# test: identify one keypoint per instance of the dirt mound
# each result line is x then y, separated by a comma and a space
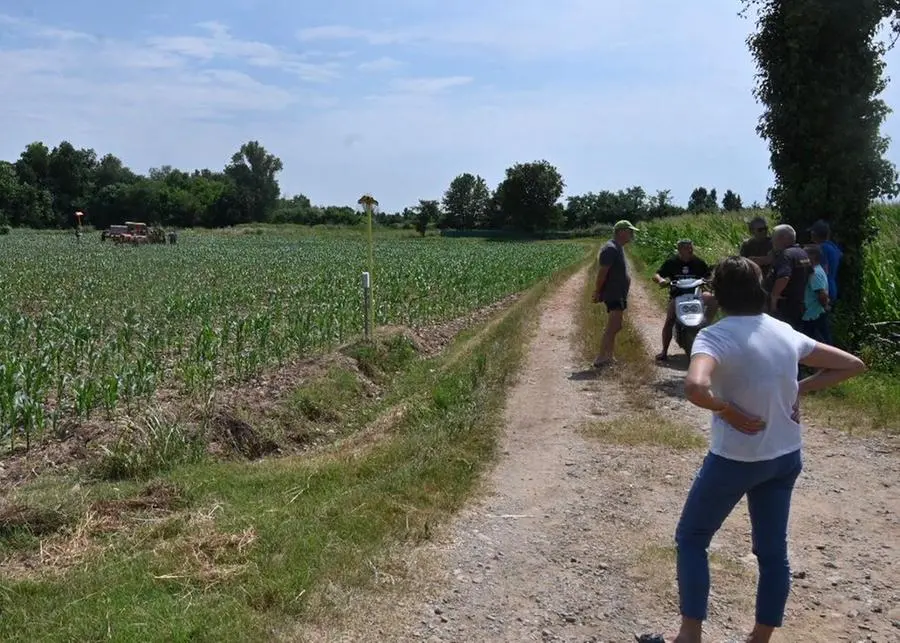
240, 437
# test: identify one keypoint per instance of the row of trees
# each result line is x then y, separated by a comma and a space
44, 187
528, 200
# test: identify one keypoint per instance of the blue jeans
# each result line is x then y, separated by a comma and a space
719, 486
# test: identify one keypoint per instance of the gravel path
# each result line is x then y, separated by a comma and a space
571, 539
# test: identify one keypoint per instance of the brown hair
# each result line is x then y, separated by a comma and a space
738, 288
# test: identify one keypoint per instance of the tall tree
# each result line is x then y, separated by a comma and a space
731, 202
426, 212
465, 202
253, 173
699, 200
821, 69
528, 196
71, 173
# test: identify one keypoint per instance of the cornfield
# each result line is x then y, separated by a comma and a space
90, 327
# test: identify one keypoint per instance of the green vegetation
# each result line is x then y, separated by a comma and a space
820, 75
238, 551
877, 393
647, 427
91, 327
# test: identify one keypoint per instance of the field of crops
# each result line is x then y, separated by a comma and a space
89, 327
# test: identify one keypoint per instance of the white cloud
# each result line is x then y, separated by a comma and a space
428, 85
221, 44
385, 63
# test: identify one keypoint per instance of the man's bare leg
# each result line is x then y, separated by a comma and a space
607, 345
667, 330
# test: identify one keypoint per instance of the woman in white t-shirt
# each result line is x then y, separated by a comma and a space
744, 369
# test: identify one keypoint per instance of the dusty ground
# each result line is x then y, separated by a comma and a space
571, 539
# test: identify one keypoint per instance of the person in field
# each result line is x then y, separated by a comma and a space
612, 286
787, 279
683, 264
744, 369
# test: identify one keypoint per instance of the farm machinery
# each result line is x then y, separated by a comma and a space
135, 233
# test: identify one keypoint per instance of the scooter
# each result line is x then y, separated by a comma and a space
690, 310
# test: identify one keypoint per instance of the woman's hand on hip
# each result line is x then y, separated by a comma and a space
741, 421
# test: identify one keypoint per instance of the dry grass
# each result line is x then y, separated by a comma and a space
646, 427
199, 553
653, 568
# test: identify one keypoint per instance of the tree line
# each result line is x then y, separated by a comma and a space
44, 188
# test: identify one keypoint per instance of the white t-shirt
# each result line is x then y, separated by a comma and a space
756, 371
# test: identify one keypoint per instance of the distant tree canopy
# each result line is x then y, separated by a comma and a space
44, 188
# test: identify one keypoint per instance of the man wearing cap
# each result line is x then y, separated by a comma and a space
612, 286
820, 234
683, 264
758, 248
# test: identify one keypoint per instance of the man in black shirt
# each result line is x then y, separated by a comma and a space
682, 265
786, 283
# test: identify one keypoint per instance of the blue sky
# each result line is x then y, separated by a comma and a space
396, 97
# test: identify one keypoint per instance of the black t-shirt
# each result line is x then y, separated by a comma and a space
793, 263
675, 268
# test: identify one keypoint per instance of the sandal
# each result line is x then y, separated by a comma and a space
662, 357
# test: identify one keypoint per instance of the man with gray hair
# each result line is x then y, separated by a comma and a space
786, 283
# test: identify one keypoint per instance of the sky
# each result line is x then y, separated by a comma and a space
397, 97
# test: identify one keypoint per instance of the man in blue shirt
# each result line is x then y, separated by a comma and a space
820, 233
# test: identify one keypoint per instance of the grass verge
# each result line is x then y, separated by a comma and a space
647, 427
251, 547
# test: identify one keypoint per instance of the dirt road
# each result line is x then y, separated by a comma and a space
572, 537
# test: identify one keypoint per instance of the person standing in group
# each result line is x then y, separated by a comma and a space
816, 300
612, 286
820, 234
788, 277
758, 248
744, 369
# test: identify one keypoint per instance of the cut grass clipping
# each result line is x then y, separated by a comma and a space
638, 428
264, 544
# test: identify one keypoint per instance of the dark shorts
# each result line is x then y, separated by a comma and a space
616, 304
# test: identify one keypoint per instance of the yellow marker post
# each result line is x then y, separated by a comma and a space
369, 203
